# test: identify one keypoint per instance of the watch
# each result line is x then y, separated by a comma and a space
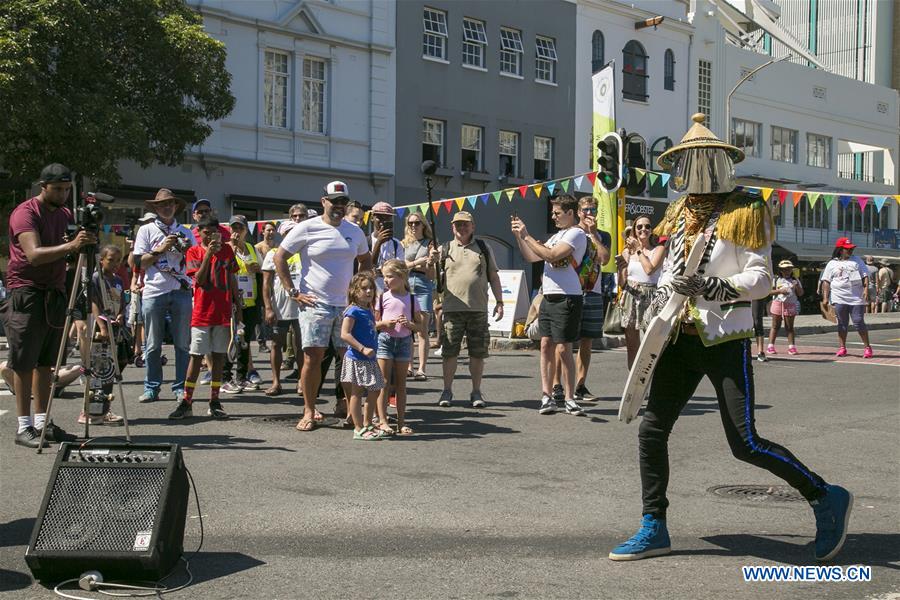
293, 292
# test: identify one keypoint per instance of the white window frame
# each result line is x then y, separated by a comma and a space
739, 133
545, 59
438, 128
704, 89
315, 96
789, 148
474, 46
543, 147
818, 146
276, 79
512, 138
477, 147
511, 51
434, 36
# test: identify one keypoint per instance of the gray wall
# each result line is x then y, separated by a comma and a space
459, 95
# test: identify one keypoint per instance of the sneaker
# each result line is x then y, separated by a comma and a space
437, 352
55, 434
832, 516
770, 349
111, 418
293, 375
230, 387
263, 347
582, 393
148, 397
761, 357
446, 398
548, 406
652, 539
30, 438
477, 399
82, 419
182, 410
248, 386
573, 409
841, 352
163, 360
867, 353
253, 377
558, 393
792, 350
205, 378
139, 361
216, 411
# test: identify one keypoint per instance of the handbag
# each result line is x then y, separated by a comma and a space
612, 319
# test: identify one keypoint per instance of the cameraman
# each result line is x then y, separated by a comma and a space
160, 246
34, 313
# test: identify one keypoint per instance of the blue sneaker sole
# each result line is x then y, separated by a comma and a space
640, 555
840, 543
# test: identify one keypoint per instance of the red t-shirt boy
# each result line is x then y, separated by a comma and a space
212, 267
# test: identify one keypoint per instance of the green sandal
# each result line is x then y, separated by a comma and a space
367, 434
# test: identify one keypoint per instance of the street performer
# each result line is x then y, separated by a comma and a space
713, 338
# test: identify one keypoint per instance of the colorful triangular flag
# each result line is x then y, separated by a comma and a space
423, 208
550, 187
484, 198
766, 192
472, 200
797, 196
844, 200
652, 177
509, 194
811, 197
400, 211
523, 189
537, 189
639, 174
862, 201
366, 218
782, 195
665, 178
496, 196
828, 199
879, 202
565, 187
459, 203
592, 177
436, 207
448, 205
578, 181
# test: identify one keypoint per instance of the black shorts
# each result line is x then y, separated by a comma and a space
250, 318
34, 321
284, 326
559, 317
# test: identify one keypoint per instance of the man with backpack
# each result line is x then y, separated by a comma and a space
468, 267
559, 317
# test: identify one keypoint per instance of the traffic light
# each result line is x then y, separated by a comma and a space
609, 162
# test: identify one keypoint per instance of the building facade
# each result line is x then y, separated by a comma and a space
314, 83
486, 90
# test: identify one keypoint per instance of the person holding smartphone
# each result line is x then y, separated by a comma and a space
384, 245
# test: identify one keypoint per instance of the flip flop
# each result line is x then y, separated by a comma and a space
305, 425
405, 431
420, 376
274, 391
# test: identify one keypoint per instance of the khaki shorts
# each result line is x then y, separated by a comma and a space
213, 339
472, 325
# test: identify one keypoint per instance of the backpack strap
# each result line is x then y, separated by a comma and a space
483, 247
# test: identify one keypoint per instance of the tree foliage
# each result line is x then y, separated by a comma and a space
89, 82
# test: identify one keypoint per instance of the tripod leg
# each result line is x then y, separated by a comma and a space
62, 346
121, 393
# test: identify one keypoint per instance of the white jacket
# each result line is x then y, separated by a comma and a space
748, 271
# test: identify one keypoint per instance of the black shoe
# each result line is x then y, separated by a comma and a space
56, 434
582, 393
558, 393
182, 410
30, 438
293, 375
216, 411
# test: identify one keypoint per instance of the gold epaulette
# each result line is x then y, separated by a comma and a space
746, 221
666, 227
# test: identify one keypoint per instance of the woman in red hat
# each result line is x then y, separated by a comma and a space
845, 284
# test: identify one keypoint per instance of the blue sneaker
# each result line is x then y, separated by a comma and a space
652, 539
832, 516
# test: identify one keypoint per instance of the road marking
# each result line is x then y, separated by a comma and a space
3, 412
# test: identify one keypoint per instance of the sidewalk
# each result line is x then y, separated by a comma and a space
803, 325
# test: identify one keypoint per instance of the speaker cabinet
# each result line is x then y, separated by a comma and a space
115, 508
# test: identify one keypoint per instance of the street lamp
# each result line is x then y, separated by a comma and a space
737, 85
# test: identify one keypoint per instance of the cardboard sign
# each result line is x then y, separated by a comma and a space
515, 302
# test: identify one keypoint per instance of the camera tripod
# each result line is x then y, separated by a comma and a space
84, 271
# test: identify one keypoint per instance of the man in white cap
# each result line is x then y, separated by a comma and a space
328, 246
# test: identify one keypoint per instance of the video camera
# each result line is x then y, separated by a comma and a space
90, 216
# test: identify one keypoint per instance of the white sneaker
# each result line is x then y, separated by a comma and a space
437, 352
548, 406
573, 408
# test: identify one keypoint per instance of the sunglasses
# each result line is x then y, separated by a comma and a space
203, 211
589, 211
414, 223
640, 227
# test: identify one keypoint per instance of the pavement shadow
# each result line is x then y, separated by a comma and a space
444, 424
874, 549
16, 533
207, 442
13, 580
207, 566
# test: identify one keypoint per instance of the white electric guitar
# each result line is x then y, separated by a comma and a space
655, 339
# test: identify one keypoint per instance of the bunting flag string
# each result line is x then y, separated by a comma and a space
552, 186
537, 190
496, 196
782, 196
879, 202
509, 194
592, 177
797, 197
565, 186
578, 181
459, 203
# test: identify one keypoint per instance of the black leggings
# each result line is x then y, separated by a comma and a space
729, 367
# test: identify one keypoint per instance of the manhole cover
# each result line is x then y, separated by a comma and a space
292, 420
758, 493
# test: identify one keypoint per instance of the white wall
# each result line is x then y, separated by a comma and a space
666, 112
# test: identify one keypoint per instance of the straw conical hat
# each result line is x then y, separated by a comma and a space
698, 136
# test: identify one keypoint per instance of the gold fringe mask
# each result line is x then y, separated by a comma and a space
745, 220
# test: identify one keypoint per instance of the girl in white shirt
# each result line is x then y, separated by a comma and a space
786, 291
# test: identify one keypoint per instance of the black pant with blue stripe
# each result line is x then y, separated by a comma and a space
729, 366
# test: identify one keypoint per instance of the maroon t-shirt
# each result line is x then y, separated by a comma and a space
50, 226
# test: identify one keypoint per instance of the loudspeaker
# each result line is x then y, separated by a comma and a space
114, 508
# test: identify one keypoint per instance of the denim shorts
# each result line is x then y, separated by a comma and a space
423, 289
320, 324
391, 348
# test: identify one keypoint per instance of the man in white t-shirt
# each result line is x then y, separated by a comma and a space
559, 318
160, 247
328, 246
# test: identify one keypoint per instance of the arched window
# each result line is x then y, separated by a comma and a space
634, 70
669, 70
597, 51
